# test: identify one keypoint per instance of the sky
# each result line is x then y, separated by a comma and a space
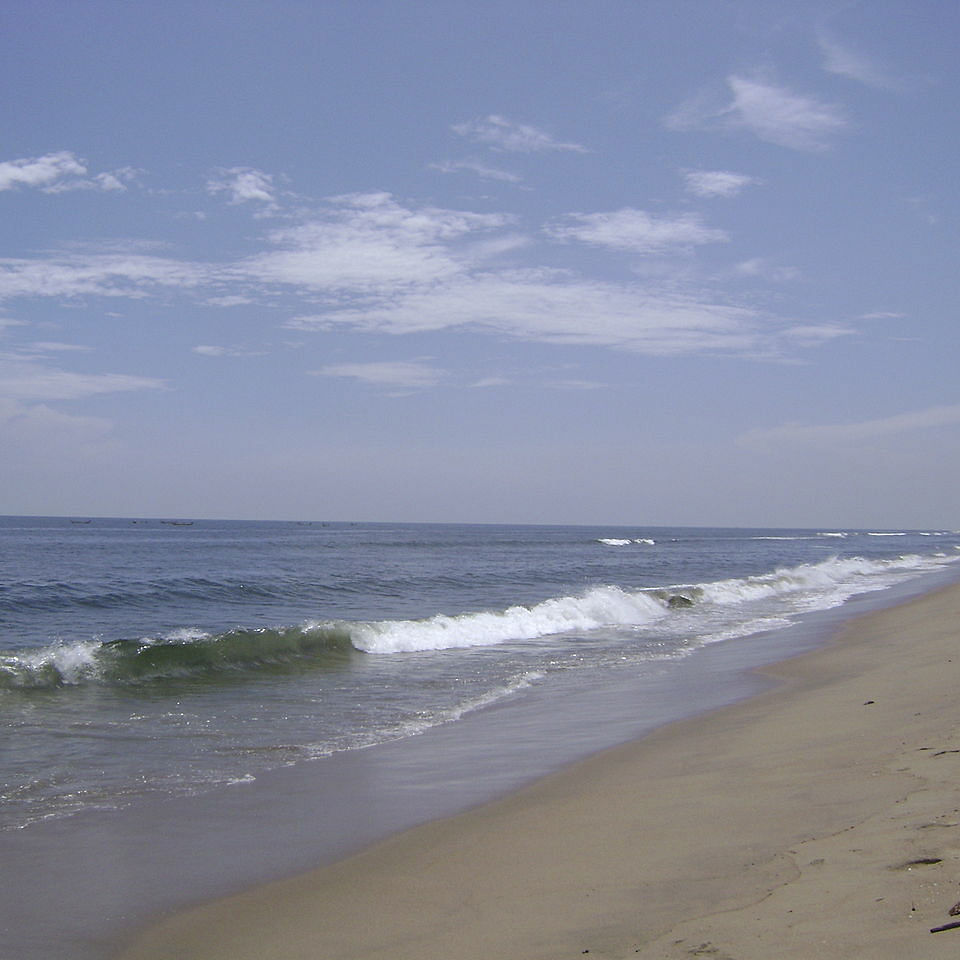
640, 262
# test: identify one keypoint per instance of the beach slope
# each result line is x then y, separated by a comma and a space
818, 819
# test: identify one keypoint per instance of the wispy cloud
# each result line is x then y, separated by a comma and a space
768, 111
847, 433
635, 230
30, 381
368, 244
229, 300
486, 382
555, 307
52, 346
96, 272
814, 334
114, 181
765, 268
213, 350
502, 134
27, 428
483, 170
841, 59
575, 384
779, 116
716, 183
369, 263
414, 374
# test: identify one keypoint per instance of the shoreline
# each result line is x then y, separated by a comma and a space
801, 819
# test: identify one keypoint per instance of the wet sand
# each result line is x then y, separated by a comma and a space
820, 818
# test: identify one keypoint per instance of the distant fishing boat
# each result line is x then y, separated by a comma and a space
178, 523
81, 521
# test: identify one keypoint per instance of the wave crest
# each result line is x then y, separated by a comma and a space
600, 607
180, 655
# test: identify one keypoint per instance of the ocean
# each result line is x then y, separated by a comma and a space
143, 657
142, 661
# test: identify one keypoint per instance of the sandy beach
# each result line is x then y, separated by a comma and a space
818, 819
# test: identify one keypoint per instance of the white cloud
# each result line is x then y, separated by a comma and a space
112, 273
48, 346
813, 334
367, 245
574, 384
213, 350
716, 183
503, 134
779, 116
62, 172
635, 230
39, 171
843, 434
243, 185
229, 300
373, 265
770, 112
480, 169
114, 181
842, 60
486, 382
29, 425
366, 262
553, 307
765, 268
31, 381
397, 373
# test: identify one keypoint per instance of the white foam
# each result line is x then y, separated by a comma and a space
789, 538
186, 635
523, 682
625, 542
601, 606
745, 629
72, 662
819, 585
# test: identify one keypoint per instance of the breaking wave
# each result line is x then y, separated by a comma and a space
191, 654
625, 542
180, 655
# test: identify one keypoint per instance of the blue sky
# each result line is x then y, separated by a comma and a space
576, 262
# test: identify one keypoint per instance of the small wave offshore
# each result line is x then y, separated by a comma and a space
194, 655
626, 541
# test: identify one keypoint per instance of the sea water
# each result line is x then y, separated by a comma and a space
142, 659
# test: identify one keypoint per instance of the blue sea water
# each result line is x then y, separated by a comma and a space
142, 659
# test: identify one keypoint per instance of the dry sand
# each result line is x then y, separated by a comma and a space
819, 819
